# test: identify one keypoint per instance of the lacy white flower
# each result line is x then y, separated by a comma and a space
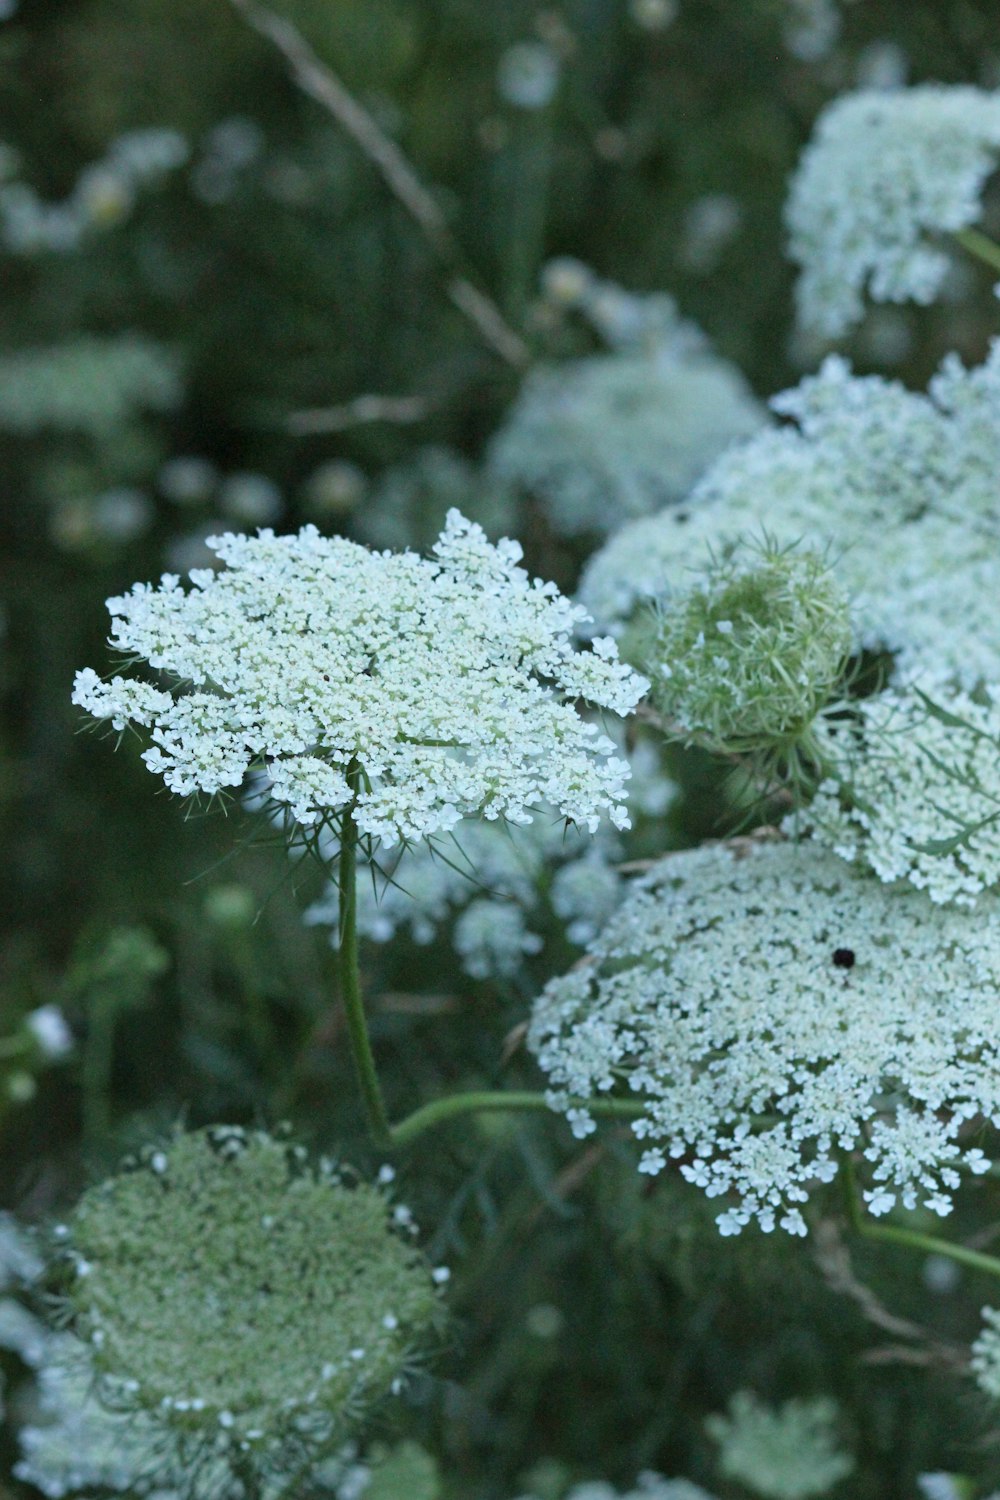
79, 1444
774, 1006
985, 1361
918, 796
784, 1453
896, 487
450, 681
884, 174
610, 436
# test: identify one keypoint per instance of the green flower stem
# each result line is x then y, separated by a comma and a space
441, 1110
981, 246
927, 1244
350, 974
438, 1110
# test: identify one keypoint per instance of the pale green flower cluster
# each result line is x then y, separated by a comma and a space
785, 1453
89, 386
450, 682
600, 439
773, 1007
885, 175
201, 1332
985, 1361
896, 487
744, 661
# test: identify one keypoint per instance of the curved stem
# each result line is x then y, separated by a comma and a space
927, 1244
483, 1100
350, 974
981, 246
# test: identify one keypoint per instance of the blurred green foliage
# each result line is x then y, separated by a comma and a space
600, 1318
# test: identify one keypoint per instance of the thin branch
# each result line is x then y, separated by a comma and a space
362, 409
834, 1261
317, 80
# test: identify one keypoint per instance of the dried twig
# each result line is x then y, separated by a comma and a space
322, 84
833, 1258
354, 413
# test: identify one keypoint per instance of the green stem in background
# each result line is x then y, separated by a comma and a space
891, 1234
96, 1069
438, 1110
350, 974
479, 1102
981, 246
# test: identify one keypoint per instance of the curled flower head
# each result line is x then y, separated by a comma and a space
414, 689
235, 1291
897, 487
884, 174
774, 1007
744, 661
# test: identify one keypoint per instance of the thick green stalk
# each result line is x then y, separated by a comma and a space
478, 1102
981, 246
350, 974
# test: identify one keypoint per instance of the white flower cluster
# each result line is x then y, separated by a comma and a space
919, 799
89, 385
450, 681
784, 1453
611, 436
985, 1361
80, 1444
896, 486
648, 1486
104, 194
773, 1007
810, 28
883, 175
490, 880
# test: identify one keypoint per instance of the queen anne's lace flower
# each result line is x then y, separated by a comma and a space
884, 173
788, 1453
774, 1008
601, 439
919, 798
449, 681
897, 487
